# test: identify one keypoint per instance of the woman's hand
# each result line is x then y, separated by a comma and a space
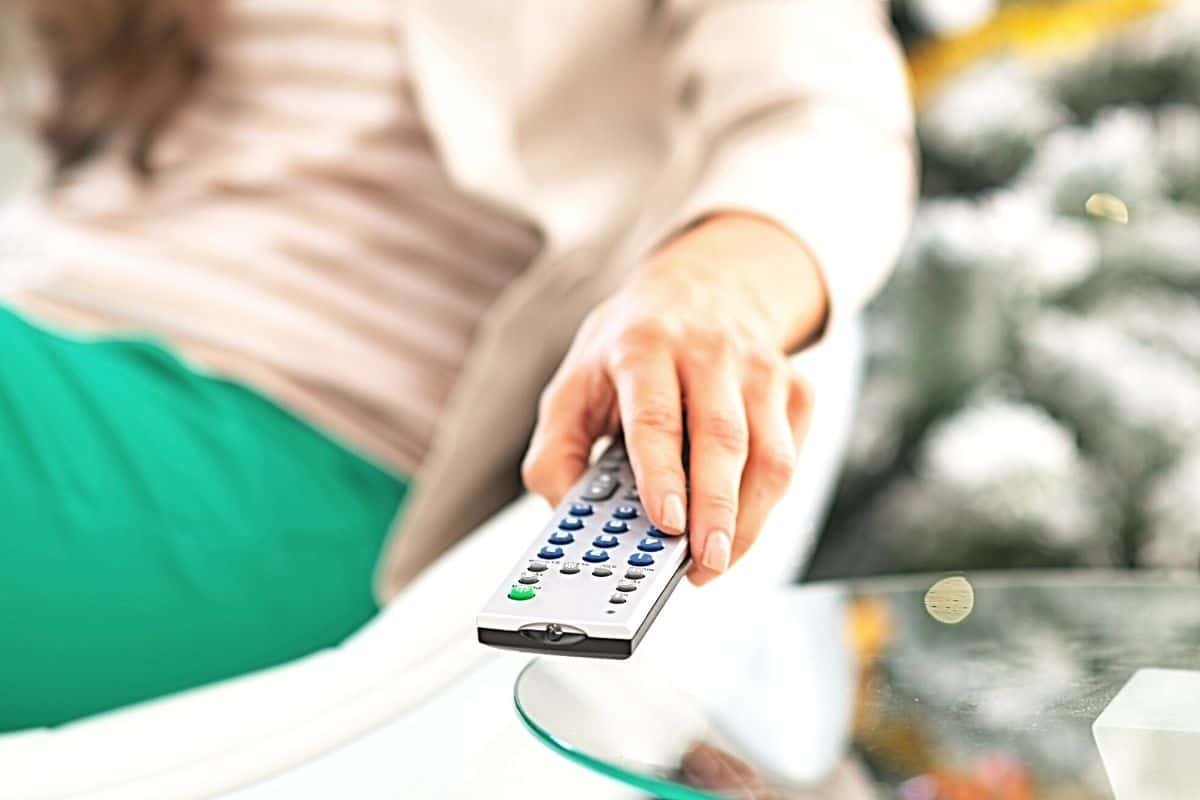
695, 342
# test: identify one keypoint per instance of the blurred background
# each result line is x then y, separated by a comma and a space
1033, 395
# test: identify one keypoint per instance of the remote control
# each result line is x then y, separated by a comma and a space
594, 580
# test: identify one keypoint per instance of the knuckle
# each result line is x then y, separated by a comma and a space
727, 432
777, 466
720, 504
636, 343
709, 346
663, 475
646, 332
658, 418
761, 364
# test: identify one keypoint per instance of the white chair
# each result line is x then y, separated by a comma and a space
410, 706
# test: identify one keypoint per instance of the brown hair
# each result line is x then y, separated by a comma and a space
121, 69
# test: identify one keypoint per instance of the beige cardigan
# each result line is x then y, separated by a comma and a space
610, 123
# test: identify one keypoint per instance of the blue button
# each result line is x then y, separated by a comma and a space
641, 560
561, 537
606, 541
615, 526
570, 524
581, 509
648, 545
550, 552
595, 556
624, 512
655, 532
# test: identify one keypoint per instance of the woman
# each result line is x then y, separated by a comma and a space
307, 267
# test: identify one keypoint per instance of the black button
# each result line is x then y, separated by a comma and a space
528, 580
535, 567
617, 599
602, 572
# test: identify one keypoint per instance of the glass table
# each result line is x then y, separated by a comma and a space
975, 687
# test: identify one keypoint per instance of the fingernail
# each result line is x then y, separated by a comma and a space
716, 551
674, 516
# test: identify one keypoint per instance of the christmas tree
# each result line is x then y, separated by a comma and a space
1033, 392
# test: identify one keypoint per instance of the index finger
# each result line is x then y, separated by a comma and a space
652, 418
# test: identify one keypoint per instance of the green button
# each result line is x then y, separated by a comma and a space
520, 592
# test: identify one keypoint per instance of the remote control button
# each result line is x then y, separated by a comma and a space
616, 526
626, 586
602, 572
520, 593
634, 574
536, 567
602, 487
561, 537
641, 560
580, 509
606, 540
550, 552
650, 545
569, 569
625, 512
570, 524
595, 556
617, 599
653, 531
528, 580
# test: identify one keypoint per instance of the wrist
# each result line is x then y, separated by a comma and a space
752, 262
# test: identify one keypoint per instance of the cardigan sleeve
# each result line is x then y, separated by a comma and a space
802, 113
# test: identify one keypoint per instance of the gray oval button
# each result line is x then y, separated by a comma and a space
529, 580
617, 599
623, 586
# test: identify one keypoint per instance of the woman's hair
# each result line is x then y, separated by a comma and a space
120, 69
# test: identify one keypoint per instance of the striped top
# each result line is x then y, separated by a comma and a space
299, 234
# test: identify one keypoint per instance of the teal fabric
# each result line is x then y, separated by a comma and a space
161, 529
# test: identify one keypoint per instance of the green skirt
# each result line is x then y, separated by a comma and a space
161, 529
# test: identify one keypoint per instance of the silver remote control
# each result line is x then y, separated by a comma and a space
594, 580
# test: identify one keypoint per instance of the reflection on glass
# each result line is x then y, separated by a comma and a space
865, 693
950, 600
